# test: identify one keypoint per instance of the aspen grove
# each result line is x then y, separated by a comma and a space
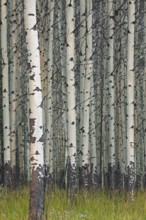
73, 96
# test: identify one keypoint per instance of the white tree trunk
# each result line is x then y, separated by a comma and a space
35, 112
130, 95
87, 87
5, 88
71, 102
111, 95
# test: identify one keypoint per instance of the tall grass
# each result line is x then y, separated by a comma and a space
90, 205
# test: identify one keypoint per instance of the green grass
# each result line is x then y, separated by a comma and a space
98, 205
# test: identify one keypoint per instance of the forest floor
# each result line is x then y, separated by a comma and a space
91, 205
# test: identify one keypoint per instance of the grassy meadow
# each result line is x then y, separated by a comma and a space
98, 205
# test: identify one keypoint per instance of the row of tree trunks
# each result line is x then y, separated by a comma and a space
73, 98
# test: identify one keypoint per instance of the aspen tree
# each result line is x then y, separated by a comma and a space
97, 89
35, 113
70, 81
87, 88
93, 148
82, 51
5, 92
117, 83
19, 124
101, 109
49, 125
25, 99
61, 27
111, 93
130, 96
138, 105
13, 88
123, 56
86, 108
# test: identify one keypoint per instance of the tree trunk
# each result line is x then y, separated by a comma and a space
130, 97
71, 112
35, 113
5, 88
111, 95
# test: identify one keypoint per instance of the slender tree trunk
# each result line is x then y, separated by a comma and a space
13, 88
61, 26
111, 95
82, 51
130, 97
71, 113
86, 104
49, 136
5, 88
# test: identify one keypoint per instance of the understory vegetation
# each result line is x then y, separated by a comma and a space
97, 205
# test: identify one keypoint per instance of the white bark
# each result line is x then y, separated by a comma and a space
5, 83
111, 85
70, 71
130, 91
87, 86
35, 91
